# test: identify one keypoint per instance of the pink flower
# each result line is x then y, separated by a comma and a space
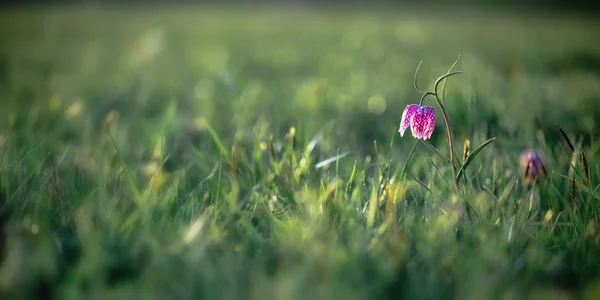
420, 118
534, 164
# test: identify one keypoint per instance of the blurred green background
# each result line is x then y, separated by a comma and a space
157, 151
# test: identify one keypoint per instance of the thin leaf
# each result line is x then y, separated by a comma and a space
416, 76
561, 175
218, 142
471, 157
408, 159
425, 187
313, 143
573, 191
377, 159
446, 79
351, 179
330, 160
437, 82
131, 182
372, 208
433, 149
18, 163
5, 149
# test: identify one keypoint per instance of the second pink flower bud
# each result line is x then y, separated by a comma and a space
534, 163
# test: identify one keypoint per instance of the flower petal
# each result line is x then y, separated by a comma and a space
534, 171
535, 162
429, 115
419, 123
415, 127
407, 114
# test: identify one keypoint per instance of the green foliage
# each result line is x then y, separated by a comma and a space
188, 153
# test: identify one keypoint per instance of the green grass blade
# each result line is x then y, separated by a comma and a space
471, 157
313, 143
130, 181
372, 208
351, 179
434, 150
218, 142
330, 160
416, 77
446, 79
408, 159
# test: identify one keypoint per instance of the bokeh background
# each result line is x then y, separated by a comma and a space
160, 148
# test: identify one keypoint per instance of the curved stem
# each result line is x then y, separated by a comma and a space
425, 95
448, 129
416, 75
450, 139
441, 104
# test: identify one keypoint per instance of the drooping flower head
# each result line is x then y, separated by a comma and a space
534, 164
420, 118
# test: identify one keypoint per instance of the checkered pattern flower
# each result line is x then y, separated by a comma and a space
420, 119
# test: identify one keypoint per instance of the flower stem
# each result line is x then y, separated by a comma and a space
441, 104
450, 139
447, 121
425, 95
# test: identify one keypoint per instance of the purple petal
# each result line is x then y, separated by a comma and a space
429, 114
534, 171
409, 111
422, 122
535, 161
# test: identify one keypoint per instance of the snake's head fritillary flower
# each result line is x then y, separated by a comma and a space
534, 164
420, 119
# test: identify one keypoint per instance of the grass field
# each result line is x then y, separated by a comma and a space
203, 154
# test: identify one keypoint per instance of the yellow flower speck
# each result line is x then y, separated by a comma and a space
158, 179
548, 215
74, 110
151, 169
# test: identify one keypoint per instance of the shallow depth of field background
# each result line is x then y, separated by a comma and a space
170, 152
